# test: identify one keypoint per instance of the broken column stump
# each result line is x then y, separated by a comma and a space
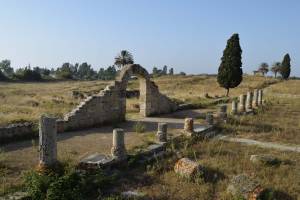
260, 97
118, 150
255, 98
223, 112
242, 103
249, 102
209, 118
161, 134
47, 143
234, 107
188, 126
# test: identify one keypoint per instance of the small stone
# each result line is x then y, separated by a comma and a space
264, 159
188, 168
133, 195
242, 186
16, 196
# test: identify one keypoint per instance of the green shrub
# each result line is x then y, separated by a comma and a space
67, 187
66, 184
38, 184
139, 127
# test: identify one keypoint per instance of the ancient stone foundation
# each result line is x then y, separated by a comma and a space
47, 142
109, 105
14, 132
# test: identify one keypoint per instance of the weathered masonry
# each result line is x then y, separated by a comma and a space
110, 104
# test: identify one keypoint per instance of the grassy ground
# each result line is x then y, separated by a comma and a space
222, 161
17, 158
27, 101
279, 122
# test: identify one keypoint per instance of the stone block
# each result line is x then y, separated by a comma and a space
244, 187
188, 168
264, 159
95, 161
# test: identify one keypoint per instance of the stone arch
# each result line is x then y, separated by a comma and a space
109, 105
123, 78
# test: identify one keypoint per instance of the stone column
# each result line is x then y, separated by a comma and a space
209, 118
118, 150
234, 107
249, 101
242, 103
161, 134
223, 111
260, 97
47, 142
255, 98
189, 125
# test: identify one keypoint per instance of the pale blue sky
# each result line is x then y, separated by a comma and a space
187, 35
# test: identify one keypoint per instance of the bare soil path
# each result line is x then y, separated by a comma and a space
269, 145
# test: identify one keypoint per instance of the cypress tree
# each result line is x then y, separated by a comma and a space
285, 69
230, 73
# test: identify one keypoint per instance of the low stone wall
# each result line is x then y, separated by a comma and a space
18, 131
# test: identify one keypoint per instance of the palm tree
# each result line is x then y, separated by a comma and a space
276, 68
124, 58
263, 68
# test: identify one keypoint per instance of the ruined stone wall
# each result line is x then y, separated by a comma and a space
110, 104
94, 110
14, 132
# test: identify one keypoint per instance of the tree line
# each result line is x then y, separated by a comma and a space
283, 68
83, 71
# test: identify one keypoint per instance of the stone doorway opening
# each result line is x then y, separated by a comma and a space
134, 82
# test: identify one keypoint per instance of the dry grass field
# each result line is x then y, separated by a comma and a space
222, 161
279, 122
27, 101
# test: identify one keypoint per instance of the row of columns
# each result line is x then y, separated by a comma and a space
247, 102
